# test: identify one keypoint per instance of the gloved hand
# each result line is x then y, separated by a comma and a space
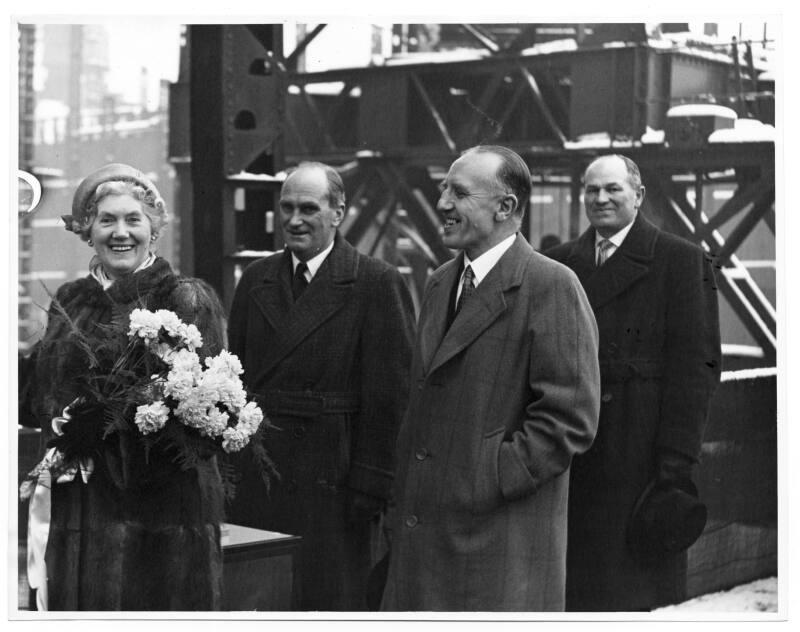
362, 507
673, 467
82, 434
668, 516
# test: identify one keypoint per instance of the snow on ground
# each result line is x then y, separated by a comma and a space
758, 596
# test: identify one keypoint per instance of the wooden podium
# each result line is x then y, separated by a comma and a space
259, 569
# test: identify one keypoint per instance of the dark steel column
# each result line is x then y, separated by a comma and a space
206, 137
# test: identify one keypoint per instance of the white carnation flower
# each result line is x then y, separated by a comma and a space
250, 418
190, 336
151, 417
225, 362
169, 321
145, 324
231, 393
212, 384
183, 375
216, 423
179, 384
187, 361
193, 411
234, 440
188, 358
220, 387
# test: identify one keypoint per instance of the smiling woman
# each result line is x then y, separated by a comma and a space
119, 212
138, 529
121, 231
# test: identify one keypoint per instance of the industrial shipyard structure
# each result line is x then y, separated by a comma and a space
695, 112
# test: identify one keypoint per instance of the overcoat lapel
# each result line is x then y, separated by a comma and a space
433, 329
581, 259
628, 264
485, 304
329, 290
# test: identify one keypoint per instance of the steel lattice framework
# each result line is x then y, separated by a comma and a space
242, 113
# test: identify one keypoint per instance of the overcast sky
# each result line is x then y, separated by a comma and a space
153, 43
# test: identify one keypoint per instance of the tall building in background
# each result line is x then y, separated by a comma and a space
75, 59
27, 45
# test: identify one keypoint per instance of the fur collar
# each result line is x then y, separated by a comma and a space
150, 286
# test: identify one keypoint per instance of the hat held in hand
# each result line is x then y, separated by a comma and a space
666, 519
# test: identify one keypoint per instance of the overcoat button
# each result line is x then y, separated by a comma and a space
607, 397
411, 521
421, 454
299, 432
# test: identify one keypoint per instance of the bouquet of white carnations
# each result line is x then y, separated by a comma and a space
148, 384
212, 399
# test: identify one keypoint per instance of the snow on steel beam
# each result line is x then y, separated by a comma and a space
482, 37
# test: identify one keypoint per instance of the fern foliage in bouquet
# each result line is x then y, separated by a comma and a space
151, 385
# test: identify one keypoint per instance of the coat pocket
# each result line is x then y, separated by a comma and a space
486, 494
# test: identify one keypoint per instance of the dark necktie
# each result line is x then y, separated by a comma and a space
299, 282
603, 249
467, 288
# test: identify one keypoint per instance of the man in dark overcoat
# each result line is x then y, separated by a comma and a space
655, 301
505, 390
324, 334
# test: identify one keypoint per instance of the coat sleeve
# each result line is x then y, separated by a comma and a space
26, 376
45, 383
385, 358
564, 381
237, 324
692, 352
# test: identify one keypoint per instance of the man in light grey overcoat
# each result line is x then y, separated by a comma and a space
505, 390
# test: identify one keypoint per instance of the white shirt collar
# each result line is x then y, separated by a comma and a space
96, 270
314, 263
616, 239
484, 264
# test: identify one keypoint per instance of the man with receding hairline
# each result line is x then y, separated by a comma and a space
654, 298
505, 390
324, 334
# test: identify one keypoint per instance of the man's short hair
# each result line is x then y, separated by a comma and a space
634, 175
513, 173
335, 185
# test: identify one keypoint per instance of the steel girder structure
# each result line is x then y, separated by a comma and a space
393, 130
226, 113
676, 180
